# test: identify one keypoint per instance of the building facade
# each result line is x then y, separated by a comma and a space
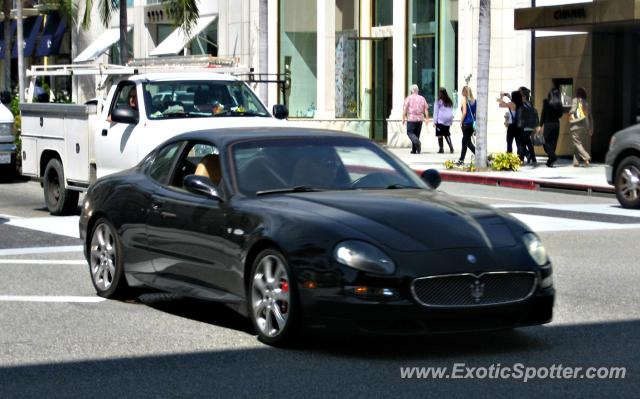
603, 57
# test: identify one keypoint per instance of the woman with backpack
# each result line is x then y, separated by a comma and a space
580, 126
550, 122
443, 117
468, 119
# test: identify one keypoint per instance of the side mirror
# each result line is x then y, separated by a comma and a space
201, 185
5, 97
280, 111
432, 178
125, 115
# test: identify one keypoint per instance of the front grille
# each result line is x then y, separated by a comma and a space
465, 290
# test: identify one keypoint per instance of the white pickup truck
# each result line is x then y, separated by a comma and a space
68, 147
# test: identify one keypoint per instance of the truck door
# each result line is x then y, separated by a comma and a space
116, 143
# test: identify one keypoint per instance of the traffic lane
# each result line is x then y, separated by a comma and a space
503, 195
47, 278
24, 198
351, 365
18, 237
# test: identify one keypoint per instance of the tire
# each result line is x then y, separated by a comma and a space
272, 299
627, 182
59, 200
106, 266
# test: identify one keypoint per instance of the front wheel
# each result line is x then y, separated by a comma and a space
627, 182
105, 261
272, 297
59, 200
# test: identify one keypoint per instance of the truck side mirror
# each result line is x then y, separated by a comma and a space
125, 115
5, 97
280, 111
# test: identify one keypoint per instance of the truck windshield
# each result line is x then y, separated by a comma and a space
189, 99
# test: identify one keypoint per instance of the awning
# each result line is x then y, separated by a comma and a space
31, 28
51, 39
177, 40
100, 45
2, 41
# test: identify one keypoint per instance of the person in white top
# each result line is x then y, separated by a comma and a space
443, 118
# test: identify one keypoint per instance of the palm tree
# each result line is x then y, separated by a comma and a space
484, 53
184, 14
6, 9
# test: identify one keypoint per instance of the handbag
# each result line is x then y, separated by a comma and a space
537, 138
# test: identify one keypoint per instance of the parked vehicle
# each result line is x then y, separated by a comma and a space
69, 146
623, 166
311, 228
7, 143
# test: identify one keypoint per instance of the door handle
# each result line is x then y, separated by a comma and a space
168, 215
156, 206
105, 132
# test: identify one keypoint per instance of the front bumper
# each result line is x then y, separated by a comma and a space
406, 316
608, 171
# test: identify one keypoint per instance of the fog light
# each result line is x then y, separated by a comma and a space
546, 282
361, 290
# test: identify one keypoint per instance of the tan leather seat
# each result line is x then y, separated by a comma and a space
209, 166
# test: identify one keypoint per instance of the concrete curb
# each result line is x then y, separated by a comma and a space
522, 183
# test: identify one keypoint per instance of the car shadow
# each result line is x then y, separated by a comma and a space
269, 372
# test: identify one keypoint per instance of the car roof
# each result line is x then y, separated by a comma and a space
224, 137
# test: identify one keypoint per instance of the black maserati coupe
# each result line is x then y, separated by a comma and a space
298, 228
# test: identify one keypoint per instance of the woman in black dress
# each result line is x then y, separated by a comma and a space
550, 122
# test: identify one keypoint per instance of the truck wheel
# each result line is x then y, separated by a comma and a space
628, 182
59, 200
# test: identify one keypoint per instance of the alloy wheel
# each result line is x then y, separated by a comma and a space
271, 296
630, 183
103, 257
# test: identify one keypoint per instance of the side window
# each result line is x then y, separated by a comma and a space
160, 169
126, 96
201, 159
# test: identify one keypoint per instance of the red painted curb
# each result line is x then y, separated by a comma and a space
520, 183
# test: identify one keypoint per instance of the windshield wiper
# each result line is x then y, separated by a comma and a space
398, 186
296, 189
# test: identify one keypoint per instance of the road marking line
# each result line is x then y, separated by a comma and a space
56, 299
40, 250
41, 262
61, 225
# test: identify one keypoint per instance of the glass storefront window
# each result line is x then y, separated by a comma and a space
382, 12
347, 59
423, 49
206, 42
298, 55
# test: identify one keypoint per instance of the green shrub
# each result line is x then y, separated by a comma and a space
505, 161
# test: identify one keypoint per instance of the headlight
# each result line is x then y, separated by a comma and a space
362, 256
535, 248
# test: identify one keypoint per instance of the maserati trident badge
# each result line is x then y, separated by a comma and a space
471, 259
477, 290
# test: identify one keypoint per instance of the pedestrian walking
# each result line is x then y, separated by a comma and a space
415, 111
468, 122
514, 132
528, 122
443, 118
580, 126
550, 123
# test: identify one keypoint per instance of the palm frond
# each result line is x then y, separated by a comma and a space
183, 13
106, 8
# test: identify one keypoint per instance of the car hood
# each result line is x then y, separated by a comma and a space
408, 220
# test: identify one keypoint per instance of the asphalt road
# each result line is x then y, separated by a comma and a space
164, 346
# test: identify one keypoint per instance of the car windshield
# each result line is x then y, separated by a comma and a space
193, 99
272, 166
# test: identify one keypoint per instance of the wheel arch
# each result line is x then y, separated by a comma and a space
90, 225
46, 156
252, 254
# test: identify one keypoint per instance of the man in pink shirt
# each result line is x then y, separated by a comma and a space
416, 110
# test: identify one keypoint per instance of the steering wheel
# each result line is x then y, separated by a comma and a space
374, 180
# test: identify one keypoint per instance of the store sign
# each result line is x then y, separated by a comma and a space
570, 13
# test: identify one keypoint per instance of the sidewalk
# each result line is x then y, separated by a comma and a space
564, 176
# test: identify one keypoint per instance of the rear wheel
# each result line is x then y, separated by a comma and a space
59, 200
272, 297
105, 261
627, 182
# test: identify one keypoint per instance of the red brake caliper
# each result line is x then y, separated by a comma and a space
284, 286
